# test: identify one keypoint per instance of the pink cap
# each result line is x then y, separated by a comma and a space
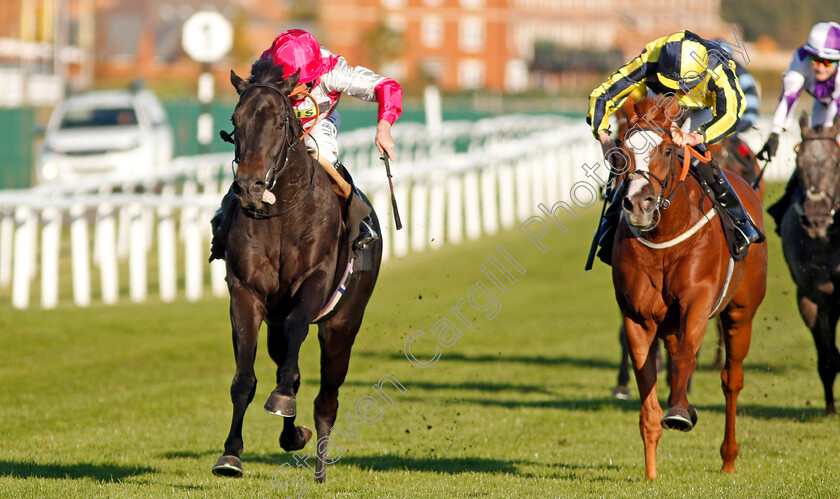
296, 49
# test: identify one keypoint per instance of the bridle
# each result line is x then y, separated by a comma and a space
282, 162
814, 194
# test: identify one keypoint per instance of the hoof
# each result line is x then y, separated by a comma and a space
228, 466
298, 441
621, 392
280, 405
680, 419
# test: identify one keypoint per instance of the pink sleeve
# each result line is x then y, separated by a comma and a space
389, 97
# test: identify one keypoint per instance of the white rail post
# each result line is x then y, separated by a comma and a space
454, 210
489, 200
7, 229
507, 203
166, 247
50, 244
193, 260
23, 256
523, 191
419, 214
80, 255
137, 265
106, 244
437, 209
472, 210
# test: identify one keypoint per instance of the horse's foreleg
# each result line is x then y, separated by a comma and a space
295, 328
245, 316
642, 351
683, 352
737, 342
292, 437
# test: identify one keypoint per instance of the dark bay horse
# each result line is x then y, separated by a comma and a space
672, 272
286, 256
811, 244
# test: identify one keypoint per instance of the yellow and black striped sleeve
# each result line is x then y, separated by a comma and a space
610, 95
729, 102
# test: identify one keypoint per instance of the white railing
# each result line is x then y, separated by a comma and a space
472, 180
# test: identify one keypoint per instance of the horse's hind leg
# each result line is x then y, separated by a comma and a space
737, 342
246, 320
292, 437
643, 347
822, 324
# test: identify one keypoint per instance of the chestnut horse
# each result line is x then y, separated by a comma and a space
287, 253
731, 154
811, 244
672, 271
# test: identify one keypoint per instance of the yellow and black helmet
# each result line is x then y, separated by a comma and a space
682, 63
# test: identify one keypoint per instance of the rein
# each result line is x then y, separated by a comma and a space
273, 173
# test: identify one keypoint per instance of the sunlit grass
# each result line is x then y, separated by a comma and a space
132, 400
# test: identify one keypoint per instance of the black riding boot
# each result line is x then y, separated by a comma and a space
724, 196
367, 234
777, 211
609, 224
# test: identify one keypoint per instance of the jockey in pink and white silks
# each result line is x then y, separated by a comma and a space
327, 76
814, 69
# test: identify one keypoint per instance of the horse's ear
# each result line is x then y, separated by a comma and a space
803, 122
629, 110
238, 83
835, 128
290, 83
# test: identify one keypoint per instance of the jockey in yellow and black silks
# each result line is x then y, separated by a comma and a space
701, 75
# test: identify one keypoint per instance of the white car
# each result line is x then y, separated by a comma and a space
115, 132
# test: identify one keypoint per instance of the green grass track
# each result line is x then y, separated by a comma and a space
133, 400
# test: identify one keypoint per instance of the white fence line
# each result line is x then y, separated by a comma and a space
477, 179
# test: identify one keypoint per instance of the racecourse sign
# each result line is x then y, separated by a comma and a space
207, 36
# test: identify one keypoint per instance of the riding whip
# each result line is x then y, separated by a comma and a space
760, 174
397, 221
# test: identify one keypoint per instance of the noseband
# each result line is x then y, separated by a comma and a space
274, 173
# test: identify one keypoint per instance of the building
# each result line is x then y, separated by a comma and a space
491, 44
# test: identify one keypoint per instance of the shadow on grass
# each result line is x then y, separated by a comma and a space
450, 466
564, 360
594, 404
478, 386
537, 360
801, 414
101, 472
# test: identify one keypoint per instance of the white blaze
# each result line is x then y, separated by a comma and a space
643, 145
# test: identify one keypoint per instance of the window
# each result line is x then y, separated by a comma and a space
471, 34
470, 74
393, 4
431, 32
472, 4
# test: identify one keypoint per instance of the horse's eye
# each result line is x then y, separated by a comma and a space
668, 152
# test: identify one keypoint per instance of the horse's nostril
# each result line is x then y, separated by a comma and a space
627, 204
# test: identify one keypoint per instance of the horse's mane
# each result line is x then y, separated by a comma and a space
264, 71
658, 110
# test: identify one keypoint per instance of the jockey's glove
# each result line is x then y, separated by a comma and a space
769, 150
